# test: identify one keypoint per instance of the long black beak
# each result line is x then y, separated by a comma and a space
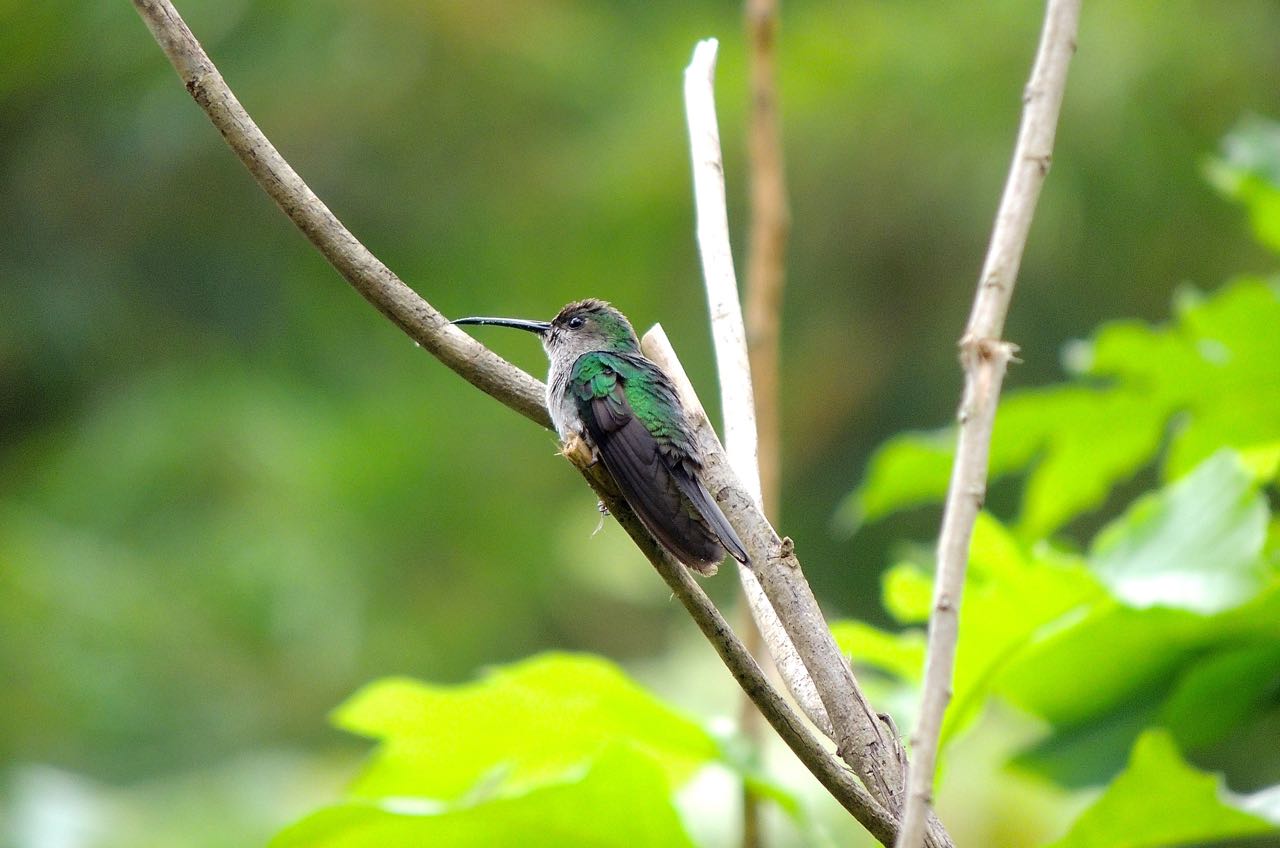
538, 327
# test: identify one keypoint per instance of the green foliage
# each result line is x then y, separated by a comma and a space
1177, 594
556, 750
1076, 442
231, 493
1160, 800
521, 724
1171, 617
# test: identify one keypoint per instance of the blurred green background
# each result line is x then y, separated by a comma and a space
230, 492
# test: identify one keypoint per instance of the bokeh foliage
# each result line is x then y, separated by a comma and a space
230, 494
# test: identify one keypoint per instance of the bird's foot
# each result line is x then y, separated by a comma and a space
579, 452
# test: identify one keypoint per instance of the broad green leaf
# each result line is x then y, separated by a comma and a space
1086, 439
519, 725
1160, 800
621, 800
1109, 651
1219, 365
1142, 667
1249, 171
1196, 545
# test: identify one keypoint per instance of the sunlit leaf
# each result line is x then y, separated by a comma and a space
900, 654
1142, 667
621, 800
1010, 597
519, 725
1195, 545
906, 471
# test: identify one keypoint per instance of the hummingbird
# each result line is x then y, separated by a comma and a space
603, 390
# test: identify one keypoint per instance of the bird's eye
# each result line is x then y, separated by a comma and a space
576, 322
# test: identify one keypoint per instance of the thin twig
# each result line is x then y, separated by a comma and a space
743, 513
727, 328
770, 222
767, 244
737, 400
985, 358
503, 381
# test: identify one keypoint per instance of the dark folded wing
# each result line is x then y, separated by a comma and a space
686, 478
658, 477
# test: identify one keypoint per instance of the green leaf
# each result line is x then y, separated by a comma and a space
1249, 171
1214, 365
1196, 545
1142, 667
1107, 650
1160, 800
520, 725
1081, 451
621, 800
1233, 686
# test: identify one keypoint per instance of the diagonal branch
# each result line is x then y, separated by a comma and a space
829, 771
985, 358
786, 659
513, 388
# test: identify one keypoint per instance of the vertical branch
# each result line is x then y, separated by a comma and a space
767, 244
770, 222
734, 369
985, 358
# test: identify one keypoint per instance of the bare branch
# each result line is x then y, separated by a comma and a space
985, 358
727, 329
829, 771
736, 396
